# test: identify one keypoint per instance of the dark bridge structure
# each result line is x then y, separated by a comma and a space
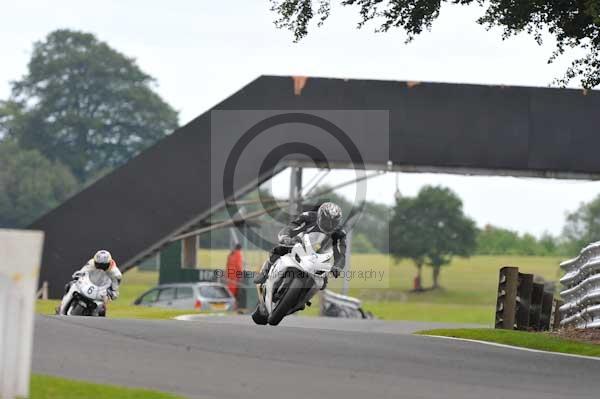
174, 186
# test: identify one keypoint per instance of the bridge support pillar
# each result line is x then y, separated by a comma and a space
171, 265
189, 252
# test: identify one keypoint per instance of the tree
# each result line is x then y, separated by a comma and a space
549, 244
9, 117
431, 229
529, 246
582, 226
573, 24
85, 104
450, 231
493, 240
30, 184
407, 235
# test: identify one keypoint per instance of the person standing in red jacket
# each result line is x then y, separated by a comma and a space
234, 269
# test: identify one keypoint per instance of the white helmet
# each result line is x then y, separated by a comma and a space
102, 260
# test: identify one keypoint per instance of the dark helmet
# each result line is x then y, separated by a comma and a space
329, 217
102, 260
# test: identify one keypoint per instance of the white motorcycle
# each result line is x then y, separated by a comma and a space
293, 280
87, 296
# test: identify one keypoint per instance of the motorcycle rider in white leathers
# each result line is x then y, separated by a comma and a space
102, 260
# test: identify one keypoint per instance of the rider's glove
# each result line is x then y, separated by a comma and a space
336, 271
289, 241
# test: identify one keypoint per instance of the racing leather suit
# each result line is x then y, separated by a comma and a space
113, 272
305, 223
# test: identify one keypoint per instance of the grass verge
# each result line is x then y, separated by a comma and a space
531, 340
431, 312
45, 387
118, 310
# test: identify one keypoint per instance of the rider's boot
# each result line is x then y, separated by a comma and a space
261, 277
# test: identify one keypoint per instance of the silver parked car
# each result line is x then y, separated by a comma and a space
204, 296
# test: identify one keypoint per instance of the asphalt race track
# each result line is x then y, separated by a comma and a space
229, 357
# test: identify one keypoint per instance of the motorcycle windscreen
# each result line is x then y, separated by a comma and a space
99, 278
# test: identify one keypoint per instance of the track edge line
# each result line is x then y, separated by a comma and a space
510, 346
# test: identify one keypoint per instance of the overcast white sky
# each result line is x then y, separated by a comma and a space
200, 52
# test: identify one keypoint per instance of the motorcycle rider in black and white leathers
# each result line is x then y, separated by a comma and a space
326, 219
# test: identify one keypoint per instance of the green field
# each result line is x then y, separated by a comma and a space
45, 387
539, 341
468, 294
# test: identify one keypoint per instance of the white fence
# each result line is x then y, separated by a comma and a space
20, 259
581, 292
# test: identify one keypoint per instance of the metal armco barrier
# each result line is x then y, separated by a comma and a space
522, 304
337, 305
555, 315
524, 292
581, 294
506, 304
20, 259
546, 312
535, 309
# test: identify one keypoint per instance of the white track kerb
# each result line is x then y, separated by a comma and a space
20, 260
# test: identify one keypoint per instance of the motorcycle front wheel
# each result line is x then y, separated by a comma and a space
295, 291
77, 310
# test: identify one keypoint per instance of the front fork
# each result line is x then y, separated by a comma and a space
261, 293
62, 310
261, 309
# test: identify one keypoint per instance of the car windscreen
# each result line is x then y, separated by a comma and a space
150, 297
214, 291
